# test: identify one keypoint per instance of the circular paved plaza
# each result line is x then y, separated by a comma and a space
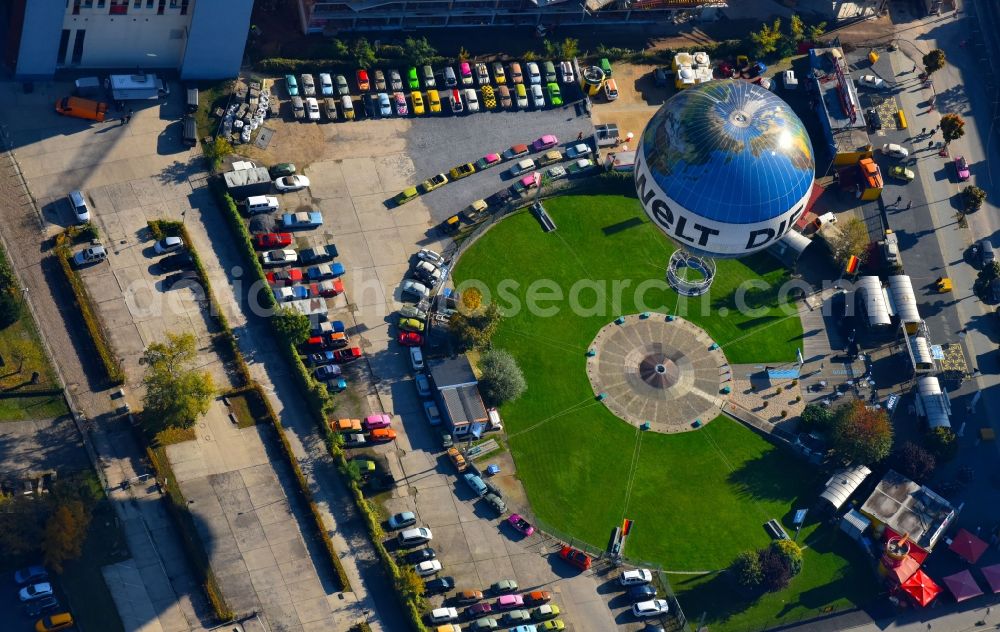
660, 371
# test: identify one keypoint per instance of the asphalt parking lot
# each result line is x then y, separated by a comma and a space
32, 447
13, 612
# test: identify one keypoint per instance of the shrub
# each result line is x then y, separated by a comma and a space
792, 554
942, 443
914, 462
774, 569
816, 417
10, 307
973, 198
746, 569
502, 379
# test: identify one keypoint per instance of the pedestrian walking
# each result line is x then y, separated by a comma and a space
923, 130
899, 199
909, 205
579, 136
914, 68
930, 145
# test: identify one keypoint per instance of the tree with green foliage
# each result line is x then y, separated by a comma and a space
746, 569
419, 51
550, 49
409, 583
796, 29
65, 531
475, 328
973, 198
766, 40
952, 127
216, 151
934, 61
502, 380
986, 276
10, 306
339, 50
177, 393
816, 31
942, 443
860, 434
913, 462
21, 520
463, 55
849, 238
792, 554
569, 48
292, 324
816, 417
363, 54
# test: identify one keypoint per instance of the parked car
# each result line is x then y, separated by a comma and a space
328, 371
346, 355
517, 616
434, 182
547, 611
478, 610
895, 151
534, 76
406, 195
395, 81
516, 151
578, 150
544, 142
30, 575
39, 606
961, 168
422, 384
566, 70
426, 254
285, 277
527, 182
475, 483
319, 254
54, 622
439, 585
384, 105
537, 596
555, 94
457, 459
641, 592
412, 311
420, 555
487, 161
537, 97
482, 74
411, 324
433, 101
430, 567
521, 96
32, 592
455, 102
496, 502
449, 77
414, 290
508, 602
418, 103
443, 615
312, 108
282, 257
79, 205
325, 84
428, 76
471, 100
168, 244
298, 108
902, 173
522, 166
432, 413
402, 520
427, 273
486, 623
410, 339
301, 220
382, 435
175, 262
489, 98
361, 76
462, 171
555, 624
292, 85
520, 525
417, 359
325, 271
465, 72
651, 608
308, 86
581, 164
556, 172
469, 596
576, 557
380, 85
342, 88
503, 94
498, 74
399, 99
281, 169
291, 183
515, 73
871, 81
635, 577
549, 157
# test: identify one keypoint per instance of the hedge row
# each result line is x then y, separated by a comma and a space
178, 509
225, 342
94, 326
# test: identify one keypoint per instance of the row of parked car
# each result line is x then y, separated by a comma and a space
39, 599
383, 98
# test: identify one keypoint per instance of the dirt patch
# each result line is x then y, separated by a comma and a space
295, 142
638, 99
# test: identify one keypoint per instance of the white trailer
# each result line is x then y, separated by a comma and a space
137, 87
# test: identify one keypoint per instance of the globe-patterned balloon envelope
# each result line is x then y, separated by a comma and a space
724, 168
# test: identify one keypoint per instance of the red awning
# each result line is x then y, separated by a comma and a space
921, 588
969, 547
962, 585
906, 569
992, 575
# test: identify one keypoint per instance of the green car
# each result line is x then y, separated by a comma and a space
411, 78
902, 173
406, 196
555, 97
281, 170
557, 624
459, 172
411, 324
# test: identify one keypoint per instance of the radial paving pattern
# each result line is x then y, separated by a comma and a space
660, 371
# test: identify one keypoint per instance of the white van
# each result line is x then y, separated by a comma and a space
348, 105
413, 537
261, 204
611, 89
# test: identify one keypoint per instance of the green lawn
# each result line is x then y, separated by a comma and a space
697, 498
21, 354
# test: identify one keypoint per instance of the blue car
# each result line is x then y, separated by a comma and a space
302, 219
336, 386
321, 358
300, 292
321, 254
325, 271
292, 84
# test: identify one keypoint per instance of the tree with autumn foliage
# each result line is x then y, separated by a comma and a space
65, 532
861, 435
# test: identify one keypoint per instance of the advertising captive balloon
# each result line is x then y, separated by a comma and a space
724, 168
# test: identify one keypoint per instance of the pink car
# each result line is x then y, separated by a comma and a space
506, 602
487, 161
962, 168
545, 142
520, 524
465, 70
527, 182
374, 422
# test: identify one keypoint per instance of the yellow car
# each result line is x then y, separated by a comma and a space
489, 98
433, 101
54, 622
406, 195
432, 183
418, 102
459, 172
499, 74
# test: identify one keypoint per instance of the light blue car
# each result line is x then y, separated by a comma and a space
292, 84
302, 219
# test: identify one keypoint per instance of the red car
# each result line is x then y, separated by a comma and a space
576, 557
272, 241
285, 277
410, 339
327, 288
329, 340
346, 355
362, 76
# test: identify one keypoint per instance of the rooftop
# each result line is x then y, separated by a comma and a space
839, 106
909, 508
464, 405
453, 372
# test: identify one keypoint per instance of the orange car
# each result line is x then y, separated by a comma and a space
383, 434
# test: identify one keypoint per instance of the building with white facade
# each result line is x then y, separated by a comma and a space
200, 39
